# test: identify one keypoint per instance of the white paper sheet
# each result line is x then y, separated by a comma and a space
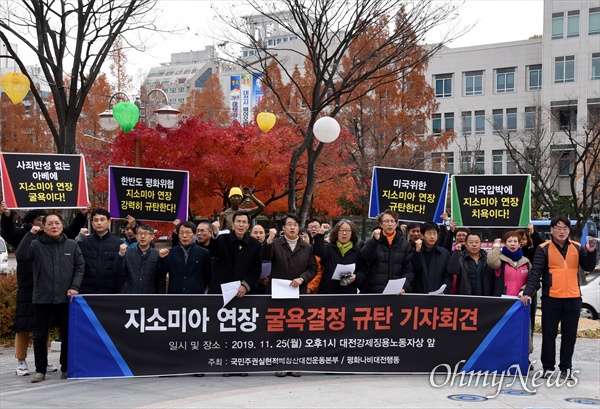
394, 286
439, 290
281, 289
230, 291
266, 270
341, 269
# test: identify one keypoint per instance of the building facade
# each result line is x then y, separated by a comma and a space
185, 72
491, 90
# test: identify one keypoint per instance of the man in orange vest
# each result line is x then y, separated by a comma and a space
556, 262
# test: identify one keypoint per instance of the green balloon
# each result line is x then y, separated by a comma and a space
126, 114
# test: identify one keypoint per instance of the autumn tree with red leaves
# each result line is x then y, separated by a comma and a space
208, 103
324, 35
387, 119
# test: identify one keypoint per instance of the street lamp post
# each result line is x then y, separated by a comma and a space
166, 116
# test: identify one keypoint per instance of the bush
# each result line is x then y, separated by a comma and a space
8, 303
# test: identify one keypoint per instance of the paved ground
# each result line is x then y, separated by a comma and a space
308, 391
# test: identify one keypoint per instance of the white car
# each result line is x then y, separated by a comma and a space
590, 296
3, 257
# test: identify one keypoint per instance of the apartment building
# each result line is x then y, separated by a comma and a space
487, 90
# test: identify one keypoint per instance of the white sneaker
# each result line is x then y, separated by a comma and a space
22, 369
51, 368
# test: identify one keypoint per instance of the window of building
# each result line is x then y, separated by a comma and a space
530, 117
449, 162
596, 66
181, 89
535, 77
479, 162
474, 83
594, 23
436, 124
565, 119
420, 127
270, 42
465, 162
573, 23
467, 123
479, 122
564, 164
558, 25
498, 119
564, 69
497, 159
449, 121
443, 85
511, 165
511, 119
505, 80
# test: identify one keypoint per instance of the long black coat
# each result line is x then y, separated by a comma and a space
430, 276
385, 262
24, 319
236, 259
99, 253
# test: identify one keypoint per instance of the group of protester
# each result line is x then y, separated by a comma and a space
52, 267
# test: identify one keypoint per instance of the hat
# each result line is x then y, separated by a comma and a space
235, 191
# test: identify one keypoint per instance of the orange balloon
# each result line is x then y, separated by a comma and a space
16, 86
266, 121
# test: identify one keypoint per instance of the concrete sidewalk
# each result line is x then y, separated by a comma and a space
308, 391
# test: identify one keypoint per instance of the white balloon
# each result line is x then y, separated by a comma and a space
326, 129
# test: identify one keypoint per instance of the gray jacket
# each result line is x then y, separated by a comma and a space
58, 266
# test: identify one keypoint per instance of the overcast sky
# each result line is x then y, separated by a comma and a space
497, 21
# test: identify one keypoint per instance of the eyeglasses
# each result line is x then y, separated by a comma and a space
241, 222
186, 233
312, 227
345, 231
145, 234
202, 231
563, 229
388, 221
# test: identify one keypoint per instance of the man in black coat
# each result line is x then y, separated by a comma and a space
188, 264
430, 262
474, 277
99, 251
24, 322
58, 268
238, 255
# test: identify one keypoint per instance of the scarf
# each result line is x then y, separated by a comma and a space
513, 255
344, 248
390, 239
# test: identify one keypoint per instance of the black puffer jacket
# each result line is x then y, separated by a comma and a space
99, 253
58, 266
24, 319
385, 262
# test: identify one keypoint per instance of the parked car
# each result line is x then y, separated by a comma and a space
3, 257
590, 296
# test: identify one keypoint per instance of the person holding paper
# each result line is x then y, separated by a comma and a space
237, 255
430, 262
387, 257
339, 256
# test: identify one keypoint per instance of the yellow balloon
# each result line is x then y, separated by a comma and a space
16, 86
266, 121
